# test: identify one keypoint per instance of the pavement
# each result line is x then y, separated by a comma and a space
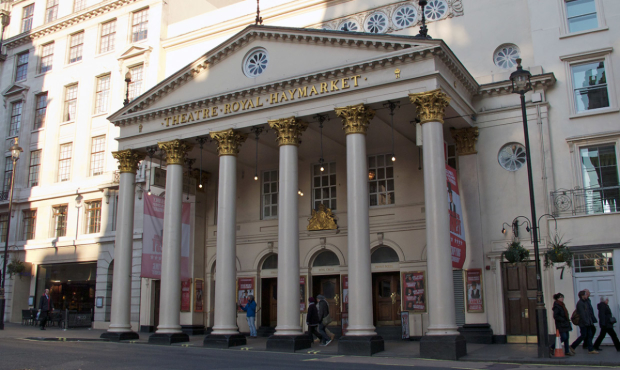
479, 353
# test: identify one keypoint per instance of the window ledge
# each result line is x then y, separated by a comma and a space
594, 112
66, 123
105, 53
381, 206
100, 114
42, 74
568, 35
37, 130
74, 63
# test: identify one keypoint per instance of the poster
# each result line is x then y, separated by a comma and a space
152, 237
457, 230
186, 295
245, 287
345, 293
404, 323
302, 294
198, 294
474, 290
344, 319
414, 291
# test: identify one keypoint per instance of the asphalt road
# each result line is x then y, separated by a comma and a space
26, 354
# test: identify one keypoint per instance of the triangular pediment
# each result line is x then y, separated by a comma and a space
294, 54
15, 89
134, 51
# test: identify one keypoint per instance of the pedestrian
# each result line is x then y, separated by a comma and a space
45, 307
592, 315
325, 319
250, 308
312, 319
562, 322
585, 322
606, 323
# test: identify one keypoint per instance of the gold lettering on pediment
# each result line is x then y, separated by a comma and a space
323, 219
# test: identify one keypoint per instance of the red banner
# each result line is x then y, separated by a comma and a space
457, 232
474, 290
198, 293
414, 291
186, 295
245, 288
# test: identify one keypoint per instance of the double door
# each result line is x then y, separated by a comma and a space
269, 302
600, 284
520, 301
386, 298
329, 286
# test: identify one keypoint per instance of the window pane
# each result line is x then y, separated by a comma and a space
581, 15
590, 84
16, 118
35, 165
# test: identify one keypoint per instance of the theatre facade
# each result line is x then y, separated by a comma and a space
287, 163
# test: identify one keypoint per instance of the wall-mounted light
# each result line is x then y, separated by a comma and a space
300, 193
139, 191
78, 200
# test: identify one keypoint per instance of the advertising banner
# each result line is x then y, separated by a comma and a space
152, 238
302, 294
474, 290
457, 231
198, 293
404, 322
345, 293
186, 295
414, 291
245, 287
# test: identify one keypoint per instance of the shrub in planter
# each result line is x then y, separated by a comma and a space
558, 252
15, 267
516, 253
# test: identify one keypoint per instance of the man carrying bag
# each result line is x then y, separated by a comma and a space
325, 319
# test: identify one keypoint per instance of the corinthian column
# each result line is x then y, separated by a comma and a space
169, 329
442, 339
361, 338
120, 326
225, 331
288, 335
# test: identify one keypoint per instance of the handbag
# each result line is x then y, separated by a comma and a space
613, 320
326, 320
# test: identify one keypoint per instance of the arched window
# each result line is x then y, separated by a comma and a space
326, 258
271, 262
383, 254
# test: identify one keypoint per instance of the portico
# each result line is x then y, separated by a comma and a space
348, 78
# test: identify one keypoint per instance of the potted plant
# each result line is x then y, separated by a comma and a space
15, 267
558, 252
516, 253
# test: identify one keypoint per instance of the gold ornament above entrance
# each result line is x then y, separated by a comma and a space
465, 140
128, 160
323, 219
288, 130
430, 105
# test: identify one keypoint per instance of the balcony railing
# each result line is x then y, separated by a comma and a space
573, 202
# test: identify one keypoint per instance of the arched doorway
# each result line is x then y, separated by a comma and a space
385, 287
327, 283
269, 291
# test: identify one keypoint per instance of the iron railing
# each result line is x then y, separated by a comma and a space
578, 201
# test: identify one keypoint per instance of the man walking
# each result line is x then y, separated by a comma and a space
592, 315
585, 323
325, 319
45, 306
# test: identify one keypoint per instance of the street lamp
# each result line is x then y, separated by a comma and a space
127, 81
15, 152
521, 83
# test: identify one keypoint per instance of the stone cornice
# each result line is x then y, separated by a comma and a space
399, 50
65, 22
542, 81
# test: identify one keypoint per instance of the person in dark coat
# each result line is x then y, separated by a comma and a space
323, 313
312, 319
45, 307
585, 322
606, 324
562, 322
592, 314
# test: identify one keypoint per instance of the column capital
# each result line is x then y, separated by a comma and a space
288, 130
128, 160
355, 118
430, 105
465, 140
176, 150
228, 141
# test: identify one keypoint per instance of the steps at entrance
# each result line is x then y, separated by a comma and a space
265, 331
389, 332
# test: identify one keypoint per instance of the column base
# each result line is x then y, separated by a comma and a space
118, 336
168, 338
224, 340
443, 347
288, 343
477, 333
193, 329
364, 345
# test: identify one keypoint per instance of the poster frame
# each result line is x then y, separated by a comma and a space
481, 283
304, 299
202, 292
186, 305
239, 309
403, 291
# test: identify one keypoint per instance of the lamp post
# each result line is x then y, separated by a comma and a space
127, 81
521, 84
15, 152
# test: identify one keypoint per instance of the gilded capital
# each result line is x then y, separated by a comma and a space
288, 130
430, 105
228, 141
128, 160
355, 118
465, 140
176, 150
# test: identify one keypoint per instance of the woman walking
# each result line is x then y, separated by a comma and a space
606, 321
562, 322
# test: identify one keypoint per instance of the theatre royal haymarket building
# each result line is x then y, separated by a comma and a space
249, 130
